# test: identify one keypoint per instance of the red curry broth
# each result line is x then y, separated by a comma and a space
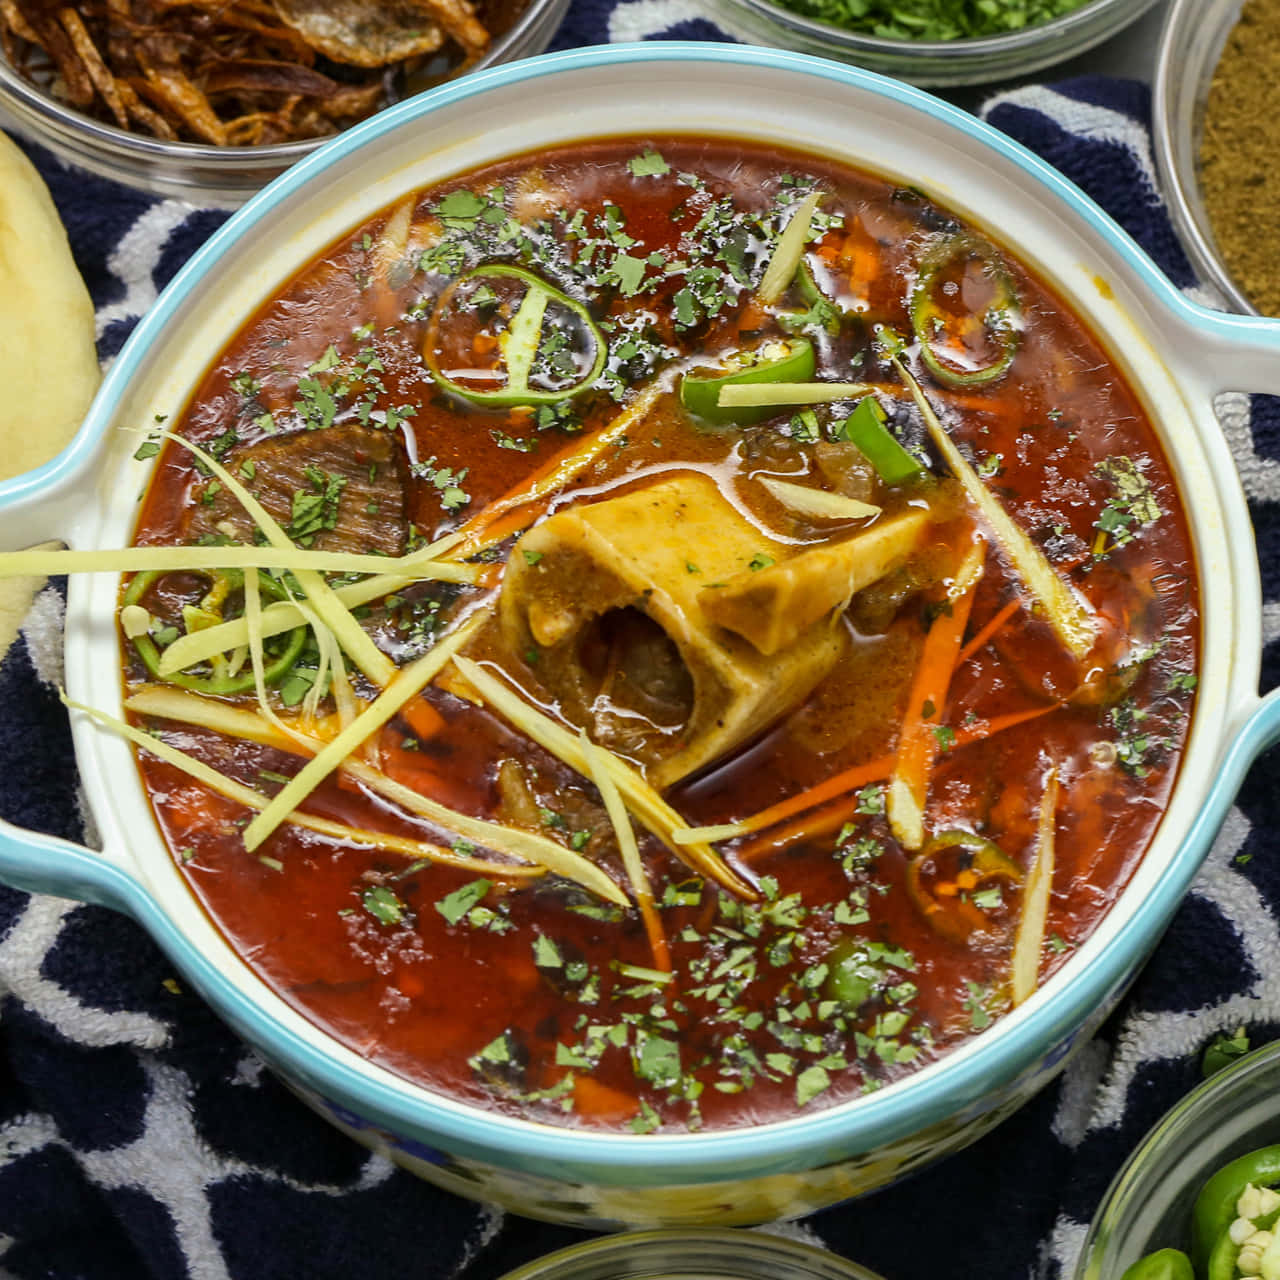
509, 995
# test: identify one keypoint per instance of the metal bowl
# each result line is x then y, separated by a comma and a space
1191, 43
934, 62
200, 172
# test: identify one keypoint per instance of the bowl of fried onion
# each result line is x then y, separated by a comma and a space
208, 100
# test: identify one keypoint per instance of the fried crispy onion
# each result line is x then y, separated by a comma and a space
237, 72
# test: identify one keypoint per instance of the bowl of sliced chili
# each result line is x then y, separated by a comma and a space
1198, 1196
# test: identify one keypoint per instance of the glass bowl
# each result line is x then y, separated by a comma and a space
692, 1255
1148, 1205
934, 62
1191, 43
222, 176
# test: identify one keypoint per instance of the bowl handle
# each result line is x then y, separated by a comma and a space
46, 505
47, 864
1235, 352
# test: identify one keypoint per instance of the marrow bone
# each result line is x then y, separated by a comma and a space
616, 598
773, 607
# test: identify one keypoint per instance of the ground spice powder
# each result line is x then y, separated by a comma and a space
1240, 154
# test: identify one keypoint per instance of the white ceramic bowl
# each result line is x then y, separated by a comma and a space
1176, 354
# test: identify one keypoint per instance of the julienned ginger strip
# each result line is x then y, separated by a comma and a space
237, 722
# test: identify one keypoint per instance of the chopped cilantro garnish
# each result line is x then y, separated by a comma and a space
446, 480
383, 904
1131, 507
686, 894
329, 360
657, 1060
811, 1082
455, 905
315, 509
546, 955
627, 273
976, 1004
647, 1121
499, 1052
460, 207
1136, 750
871, 800
505, 441
649, 164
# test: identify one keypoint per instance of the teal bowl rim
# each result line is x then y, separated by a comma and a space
796, 1144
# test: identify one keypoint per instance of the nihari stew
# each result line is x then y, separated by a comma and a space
659, 635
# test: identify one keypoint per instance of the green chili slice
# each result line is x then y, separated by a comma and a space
1164, 1264
929, 321
700, 394
822, 313
866, 428
945, 878
1222, 1259
1215, 1208
851, 976
523, 340
222, 583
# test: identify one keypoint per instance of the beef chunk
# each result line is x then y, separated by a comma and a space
339, 489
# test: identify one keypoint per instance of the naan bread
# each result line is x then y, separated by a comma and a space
48, 364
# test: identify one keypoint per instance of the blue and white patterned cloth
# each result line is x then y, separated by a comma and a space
140, 1139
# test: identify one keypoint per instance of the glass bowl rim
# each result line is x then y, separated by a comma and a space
733, 1243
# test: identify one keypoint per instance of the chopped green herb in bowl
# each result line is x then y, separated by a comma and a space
935, 42
934, 19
